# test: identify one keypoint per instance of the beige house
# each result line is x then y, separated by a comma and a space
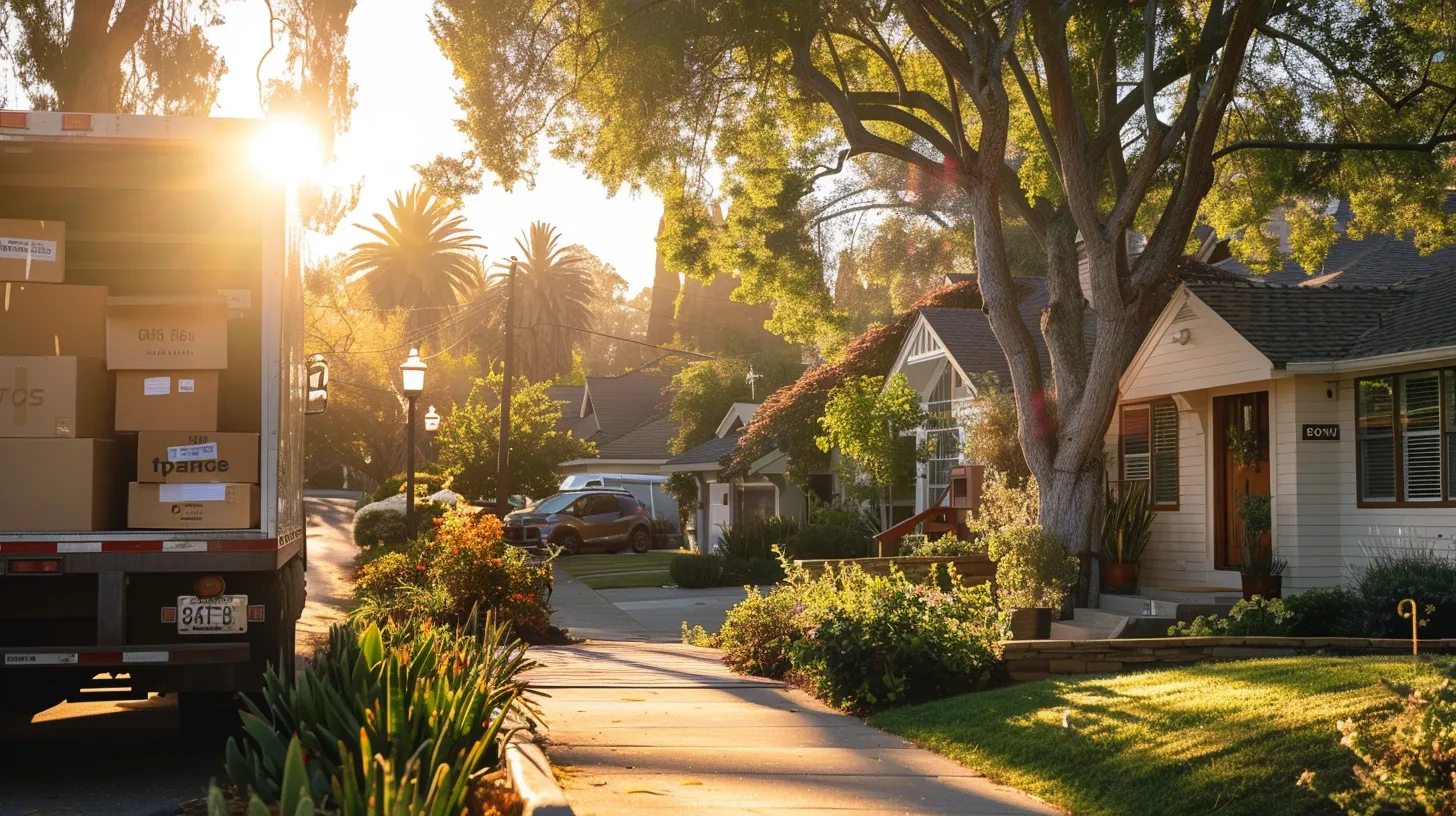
1348, 391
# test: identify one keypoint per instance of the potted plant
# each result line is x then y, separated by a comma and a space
1260, 572
1127, 527
1033, 576
1246, 447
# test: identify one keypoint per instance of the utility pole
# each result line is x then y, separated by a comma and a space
503, 458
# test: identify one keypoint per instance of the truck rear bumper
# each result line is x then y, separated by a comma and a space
100, 658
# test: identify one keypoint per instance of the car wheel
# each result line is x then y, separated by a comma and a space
570, 543
641, 540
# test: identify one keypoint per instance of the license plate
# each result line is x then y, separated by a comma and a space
224, 614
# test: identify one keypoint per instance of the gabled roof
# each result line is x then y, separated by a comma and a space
621, 404
647, 441
571, 411
1298, 324
705, 456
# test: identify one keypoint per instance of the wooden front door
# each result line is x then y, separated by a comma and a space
1244, 414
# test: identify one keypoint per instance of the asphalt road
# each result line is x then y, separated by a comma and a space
129, 758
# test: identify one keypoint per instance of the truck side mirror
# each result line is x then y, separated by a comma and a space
318, 385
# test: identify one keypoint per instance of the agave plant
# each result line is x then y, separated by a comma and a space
1127, 525
411, 710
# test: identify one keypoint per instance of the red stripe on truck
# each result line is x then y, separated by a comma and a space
134, 546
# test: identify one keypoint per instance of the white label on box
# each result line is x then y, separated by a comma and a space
200, 492
156, 386
186, 386
192, 453
27, 248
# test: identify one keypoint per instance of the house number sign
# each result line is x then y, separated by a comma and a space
1321, 433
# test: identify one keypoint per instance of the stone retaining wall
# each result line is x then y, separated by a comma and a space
972, 569
1038, 659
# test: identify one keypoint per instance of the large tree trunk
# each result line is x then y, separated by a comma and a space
1071, 511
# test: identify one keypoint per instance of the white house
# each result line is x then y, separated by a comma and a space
1352, 392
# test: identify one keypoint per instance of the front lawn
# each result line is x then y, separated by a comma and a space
1229, 738
619, 571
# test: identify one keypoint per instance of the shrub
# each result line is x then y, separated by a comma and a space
1325, 613
428, 482
1423, 574
695, 570
1252, 618
876, 640
1003, 504
380, 527
756, 538
1408, 762
947, 544
408, 713
442, 578
1032, 569
1127, 525
759, 632
751, 571
833, 532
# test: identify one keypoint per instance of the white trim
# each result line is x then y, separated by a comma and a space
742, 411
1160, 328
1430, 355
695, 467
903, 358
575, 462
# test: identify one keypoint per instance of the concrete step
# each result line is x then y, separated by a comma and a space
1185, 608
1077, 630
1136, 605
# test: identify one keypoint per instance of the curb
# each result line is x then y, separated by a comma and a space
531, 778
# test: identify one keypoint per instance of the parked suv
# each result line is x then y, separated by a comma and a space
582, 520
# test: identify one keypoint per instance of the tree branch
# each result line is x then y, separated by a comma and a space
1335, 147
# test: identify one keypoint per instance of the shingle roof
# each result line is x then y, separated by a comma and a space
571, 395
971, 343
709, 452
1291, 324
647, 441
624, 403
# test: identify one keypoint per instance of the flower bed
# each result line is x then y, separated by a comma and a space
973, 570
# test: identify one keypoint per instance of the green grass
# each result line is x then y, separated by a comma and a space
1227, 738
619, 571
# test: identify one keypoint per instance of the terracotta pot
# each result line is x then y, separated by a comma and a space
1119, 579
1031, 624
1265, 586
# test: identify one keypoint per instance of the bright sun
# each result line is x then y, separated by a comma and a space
288, 151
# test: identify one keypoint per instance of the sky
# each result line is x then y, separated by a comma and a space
406, 114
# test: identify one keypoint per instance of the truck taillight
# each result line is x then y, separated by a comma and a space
14, 119
75, 121
35, 566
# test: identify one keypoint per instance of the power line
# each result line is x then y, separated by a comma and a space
623, 339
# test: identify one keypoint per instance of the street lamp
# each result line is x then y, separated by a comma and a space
412, 376
432, 424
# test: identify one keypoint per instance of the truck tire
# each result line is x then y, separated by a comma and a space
570, 543
291, 609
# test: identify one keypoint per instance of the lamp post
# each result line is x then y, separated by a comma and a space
508, 371
432, 424
412, 376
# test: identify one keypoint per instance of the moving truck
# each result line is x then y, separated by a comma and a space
117, 577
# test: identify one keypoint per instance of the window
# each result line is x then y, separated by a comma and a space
1150, 450
1405, 436
942, 433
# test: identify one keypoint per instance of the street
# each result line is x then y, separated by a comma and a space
128, 757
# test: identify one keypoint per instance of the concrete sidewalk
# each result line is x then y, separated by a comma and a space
641, 727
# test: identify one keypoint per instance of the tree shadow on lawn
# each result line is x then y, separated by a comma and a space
1197, 740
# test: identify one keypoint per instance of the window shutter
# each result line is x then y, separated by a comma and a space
1420, 415
1376, 434
1136, 443
1165, 453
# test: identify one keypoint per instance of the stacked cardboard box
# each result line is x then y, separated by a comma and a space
167, 353
57, 456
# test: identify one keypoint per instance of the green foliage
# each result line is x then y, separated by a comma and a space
1256, 559
430, 479
441, 577
377, 527
756, 538
695, 570
867, 419
870, 641
1004, 504
294, 800
759, 632
751, 571
992, 430
705, 390
833, 531
468, 440
1032, 569
947, 544
1127, 525
1334, 612
402, 716
1255, 617
1427, 576
1407, 759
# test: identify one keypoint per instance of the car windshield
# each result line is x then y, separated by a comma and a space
555, 503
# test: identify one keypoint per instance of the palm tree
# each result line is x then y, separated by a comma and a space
553, 302
424, 260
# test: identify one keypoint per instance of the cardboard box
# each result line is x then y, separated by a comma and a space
54, 397
32, 250
176, 457
166, 400
57, 485
192, 506
54, 319
154, 334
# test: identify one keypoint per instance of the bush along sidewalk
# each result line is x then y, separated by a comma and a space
407, 718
